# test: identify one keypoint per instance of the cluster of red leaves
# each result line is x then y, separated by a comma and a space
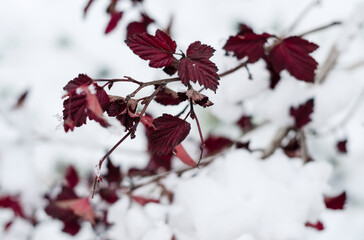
291, 53
115, 15
84, 99
194, 66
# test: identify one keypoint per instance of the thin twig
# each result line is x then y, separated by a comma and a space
223, 74
301, 16
202, 147
320, 28
276, 143
302, 141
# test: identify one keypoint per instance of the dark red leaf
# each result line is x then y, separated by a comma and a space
245, 122
318, 225
82, 102
159, 49
302, 113
197, 67
143, 201
247, 44
113, 174
167, 97
114, 20
170, 131
274, 76
8, 225
243, 145
337, 202
292, 54
109, 195
12, 202
341, 146
196, 97
71, 177
139, 27
215, 144
21, 99
181, 153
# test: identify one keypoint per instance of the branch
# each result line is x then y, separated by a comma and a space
320, 28
276, 143
301, 16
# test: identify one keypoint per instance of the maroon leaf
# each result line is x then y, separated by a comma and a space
292, 149
114, 20
292, 54
113, 174
159, 49
109, 195
184, 156
337, 202
245, 122
247, 44
12, 203
139, 27
196, 97
167, 97
341, 146
170, 131
71, 177
21, 99
197, 67
274, 76
318, 225
143, 201
215, 144
243, 145
302, 113
82, 103
124, 112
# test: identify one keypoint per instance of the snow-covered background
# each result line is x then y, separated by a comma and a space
46, 43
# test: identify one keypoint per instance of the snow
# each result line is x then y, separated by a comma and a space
44, 44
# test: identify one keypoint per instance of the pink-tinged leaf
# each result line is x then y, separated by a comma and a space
159, 49
197, 67
337, 202
170, 131
143, 201
247, 44
318, 225
71, 177
181, 153
302, 114
12, 203
292, 54
82, 103
81, 207
167, 97
196, 97
341, 146
114, 20
215, 144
